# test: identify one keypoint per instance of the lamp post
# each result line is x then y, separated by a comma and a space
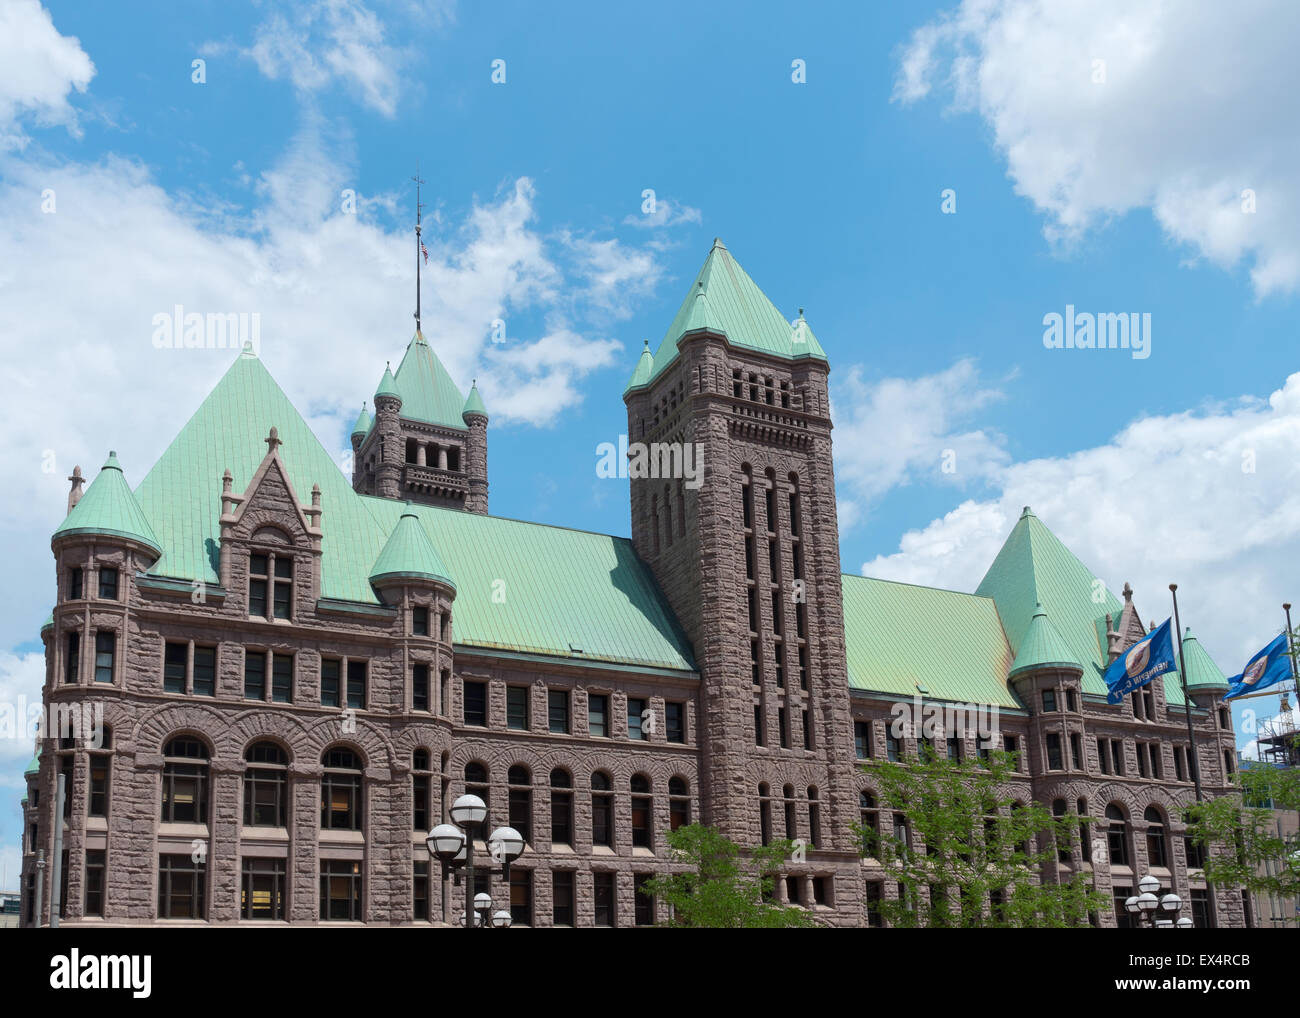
1154, 911
453, 846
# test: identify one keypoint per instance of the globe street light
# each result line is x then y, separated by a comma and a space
453, 847
1156, 912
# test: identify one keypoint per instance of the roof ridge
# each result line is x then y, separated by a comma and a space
918, 586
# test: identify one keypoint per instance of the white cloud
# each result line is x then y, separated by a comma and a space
1206, 499
893, 431
38, 69
1196, 107
667, 212
615, 276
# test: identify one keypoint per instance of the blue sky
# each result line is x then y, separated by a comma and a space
1123, 194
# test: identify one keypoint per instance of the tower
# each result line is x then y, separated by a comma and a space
747, 554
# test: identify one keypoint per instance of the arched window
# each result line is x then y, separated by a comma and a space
476, 782
765, 813
1116, 836
602, 810
791, 826
185, 781
679, 803
814, 818
561, 807
340, 790
520, 780
421, 790
1157, 844
642, 812
266, 786
869, 820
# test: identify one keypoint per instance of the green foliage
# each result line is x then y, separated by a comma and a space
1239, 834
724, 888
965, 854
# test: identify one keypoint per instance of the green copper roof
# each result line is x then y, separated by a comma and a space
427, 391
724, 299
944, 645
1042, 647
109, 508
1202, 672
34, 767
529, 588
644, 366
1034, 567
474, 402
364, 422
409, 554
388, 385
182, 493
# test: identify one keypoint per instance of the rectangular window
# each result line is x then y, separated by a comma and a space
758, 724
807, 731
181, 885
340, 890
283, 588
1049, 701
1076, 751
643, 907
420, 802
557, 707
105, 652
642, 808
562, 897
874, 893
1071, 701
604, 887
259, 567
635, 711
517, 708
99, 768
675, 722
205, 671
1054, 761
75, 584
1178, 763
475, 703
108, 584
262, 889
420, 892
1117, 756
282, 678
1103, 755
1122, 918
329, 682
783, 731
893, 751
254, 675
862, 739
521, 897
597, 716
72, 659
1200, 909
420, 687
419, 621
357, 684
96, 867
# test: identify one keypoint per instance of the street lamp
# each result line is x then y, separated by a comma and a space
1156, 912
453, 846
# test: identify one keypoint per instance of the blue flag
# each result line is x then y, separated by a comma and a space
1267, 668
1151, 656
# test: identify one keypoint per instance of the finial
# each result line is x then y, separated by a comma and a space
74, 496
226, 481
272, 440
1127, 592
647, 344
801, 312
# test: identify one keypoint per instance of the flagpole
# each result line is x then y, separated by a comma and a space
1187, 699
1291, 647
418, 208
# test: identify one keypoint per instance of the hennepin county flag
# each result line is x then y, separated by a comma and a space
1142, 662
1269, 667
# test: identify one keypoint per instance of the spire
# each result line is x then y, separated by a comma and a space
362, 426
419, 245
474, 403
387, 384
645, 367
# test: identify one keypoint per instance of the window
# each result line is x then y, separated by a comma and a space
1123, 920
675, 722
266, 786
185, 781
1117, 756
99, 769
108, 584
282, 678
679, 803
180, 887
475, 703
1229, 762
1076, 751
557, 706
96, 868
869, 821
520, 782
1062, 847
262, 889
807, 731
176, 662
205, 671
420, 891
635, 712
758, 724
329, 682
419, 621
517, 708
561, 807
357, 685
1195, 853
66, 765
782, 728
597, 715
1103, 755
954, 748
1180, 770
270, 577
340, 791
875, 892
254, 675
1071, 700
642, 812
604, 888
562, 897
1011, 744
643, 903
340, 890
105, 654
75, 577
72, 659
1157, 847
764, 815
814, 819
421, 783
1054, 760
419, 687
476, 782
893, 751
791, 825
862, 739
602, 810
1116, 836
1200, 908
521, 897
1049, 701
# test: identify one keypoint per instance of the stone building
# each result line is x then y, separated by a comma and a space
298, 672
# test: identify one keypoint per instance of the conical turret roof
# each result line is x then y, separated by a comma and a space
109, 509
1042, 647
409, 555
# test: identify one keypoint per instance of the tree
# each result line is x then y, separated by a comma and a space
724, 888
965, 853
1240, 838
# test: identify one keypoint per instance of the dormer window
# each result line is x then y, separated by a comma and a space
270, 585
108, 584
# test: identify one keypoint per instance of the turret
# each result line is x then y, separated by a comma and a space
476, 419
388, 405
